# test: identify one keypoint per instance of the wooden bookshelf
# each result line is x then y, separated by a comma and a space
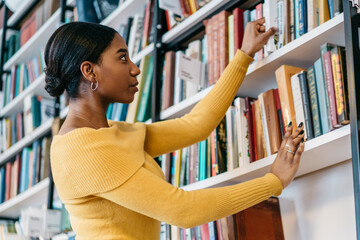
321, 152
35, 196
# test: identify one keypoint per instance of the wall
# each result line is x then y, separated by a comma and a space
320, 205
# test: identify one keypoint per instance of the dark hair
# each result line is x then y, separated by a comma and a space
69, 46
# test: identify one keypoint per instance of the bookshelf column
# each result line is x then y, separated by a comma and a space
352, 24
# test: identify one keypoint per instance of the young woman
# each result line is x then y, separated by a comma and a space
104, 170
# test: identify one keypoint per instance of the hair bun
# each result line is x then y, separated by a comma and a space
54, 86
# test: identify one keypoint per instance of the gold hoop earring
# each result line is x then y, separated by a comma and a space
92, 85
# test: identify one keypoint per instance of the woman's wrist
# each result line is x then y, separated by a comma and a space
248, 52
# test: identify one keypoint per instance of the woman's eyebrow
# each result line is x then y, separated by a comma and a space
121, 50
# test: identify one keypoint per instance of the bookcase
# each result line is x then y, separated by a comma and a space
327, 181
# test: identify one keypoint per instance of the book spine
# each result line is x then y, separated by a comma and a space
323, 11
330, 88
249, 118
240, 137
264, 125
338, 87
244, 131
322, 96
216, 39
238, 28
297, 13
298, 101
281, 24
272, 121
344, 83
210, 50
223, 40
292, 20
279, 113
331, 8
230, 136
260, 14
314, 102
307, 106
271, 17
231, 37
259, 136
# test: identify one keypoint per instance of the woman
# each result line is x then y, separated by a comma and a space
104, 171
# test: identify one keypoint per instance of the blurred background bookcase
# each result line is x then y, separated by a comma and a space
322, 203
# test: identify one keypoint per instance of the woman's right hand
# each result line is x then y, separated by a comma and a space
287, 160
255, 36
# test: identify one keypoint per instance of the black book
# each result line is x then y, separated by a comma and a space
307, 106
86, 11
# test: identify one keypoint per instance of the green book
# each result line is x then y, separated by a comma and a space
144, 111
202, 160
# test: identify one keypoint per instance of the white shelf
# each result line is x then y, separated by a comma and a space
33, 46
146, 51
40, 131
193, 20
125, 10
184, 106
321, 152
34, 197
302, 52
22, 9
17, 104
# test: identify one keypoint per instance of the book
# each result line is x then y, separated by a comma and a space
271, 17
266, 216
259, 134
223, 29
168, 99
283, 78
313, 96
324, 14
322, 96
144, 111
264, 124
250, 123
306, 102
239, 28
104, 8
86, 11
221, 146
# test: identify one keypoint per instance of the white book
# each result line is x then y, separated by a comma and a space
171, 5
231, 37
241, 129
270, 14
298, 101
134, 36
280, 23
177, 80
264, 124
312, 7
28, 117
229, 132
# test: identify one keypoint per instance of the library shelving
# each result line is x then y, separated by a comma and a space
322, 153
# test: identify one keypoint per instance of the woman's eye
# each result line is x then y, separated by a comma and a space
123, 58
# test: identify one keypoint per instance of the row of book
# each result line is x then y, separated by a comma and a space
261, 221
117, 111
21, 76
95, 11
27, 169
39, 15
37, 110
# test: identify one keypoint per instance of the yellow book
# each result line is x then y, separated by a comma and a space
133, 107
324, 14
178, 157
192, 6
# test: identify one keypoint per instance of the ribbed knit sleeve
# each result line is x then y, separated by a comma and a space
166, 136
149, 195
86, 161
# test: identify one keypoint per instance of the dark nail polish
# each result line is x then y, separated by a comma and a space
289, 123
302, 140
302, 131
301, 124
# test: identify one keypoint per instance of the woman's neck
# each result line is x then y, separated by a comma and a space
88, 113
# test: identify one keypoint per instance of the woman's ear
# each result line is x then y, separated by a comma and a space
87, 70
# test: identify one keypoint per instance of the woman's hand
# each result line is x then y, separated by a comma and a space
255, 36
287, 160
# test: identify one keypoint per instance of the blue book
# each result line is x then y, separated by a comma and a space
23, 169
123, 112
203, 158
212, 231
109, 111
296, 19
86, 11
322, 96
331, 8
2, 184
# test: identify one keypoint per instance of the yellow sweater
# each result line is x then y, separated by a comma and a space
113, 188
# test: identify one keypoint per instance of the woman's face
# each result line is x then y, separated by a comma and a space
116, 73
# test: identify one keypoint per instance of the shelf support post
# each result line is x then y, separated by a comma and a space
352, 23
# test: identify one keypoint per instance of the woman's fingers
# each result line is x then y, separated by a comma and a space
298, 153
288, 132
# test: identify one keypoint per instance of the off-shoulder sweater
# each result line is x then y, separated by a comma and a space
113, 188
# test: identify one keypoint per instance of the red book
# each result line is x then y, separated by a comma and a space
330, 88
223, 39
147, 24
249, 118
204, 229
259, 14
213, 154
169, 79
238, 28
254, 130
8, 180
278, 110
215, 45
